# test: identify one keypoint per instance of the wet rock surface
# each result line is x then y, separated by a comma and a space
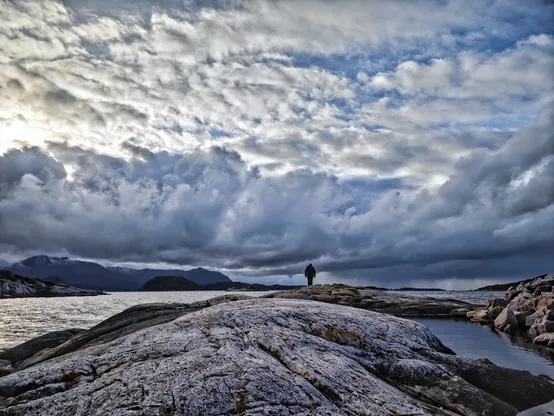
271, 357
376, 300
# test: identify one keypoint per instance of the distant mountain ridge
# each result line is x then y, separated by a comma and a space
90, 275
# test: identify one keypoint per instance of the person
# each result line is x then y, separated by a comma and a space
309, 273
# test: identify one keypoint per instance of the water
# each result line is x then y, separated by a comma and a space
23, 319
472, 340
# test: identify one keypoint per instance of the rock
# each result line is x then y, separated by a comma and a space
460, 312
521, 317
543, 288
481, 316
375, 300
5, 368
531, 303
496, 302
545, 339
494, 312
15, 286
530, 320
31, 347
506, 321
523, 302
511, 293
541, 326
130, 320
272, 357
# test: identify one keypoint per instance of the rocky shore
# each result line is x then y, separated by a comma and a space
15, 286
528, 307
379, 301
279, 356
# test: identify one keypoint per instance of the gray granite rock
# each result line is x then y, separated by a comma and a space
26, 350
376, 300
126, 322
269, 357
507, 321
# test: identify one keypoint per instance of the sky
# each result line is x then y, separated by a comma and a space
387, 142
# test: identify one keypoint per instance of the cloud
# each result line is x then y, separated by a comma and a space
253, 136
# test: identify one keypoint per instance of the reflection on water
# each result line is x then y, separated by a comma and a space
472, 340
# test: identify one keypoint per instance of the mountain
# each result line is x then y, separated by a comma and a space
502, 287
169, 283
15, 286
90, 275
199, 275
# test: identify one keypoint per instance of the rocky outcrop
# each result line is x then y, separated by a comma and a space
124, 323
267, 356
529, 306
15, 286
376, 300
26, 350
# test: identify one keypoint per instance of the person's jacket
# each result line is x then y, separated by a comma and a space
310, 271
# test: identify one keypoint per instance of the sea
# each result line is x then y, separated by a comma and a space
25, 318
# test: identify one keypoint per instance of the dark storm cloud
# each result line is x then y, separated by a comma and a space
210, 208
380, 142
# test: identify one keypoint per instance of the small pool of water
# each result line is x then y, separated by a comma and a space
472, 340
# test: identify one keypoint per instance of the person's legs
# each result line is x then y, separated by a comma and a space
310, 281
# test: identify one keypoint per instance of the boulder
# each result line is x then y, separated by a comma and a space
481, 316
273, 357
506, 321
521, 317
460, 312
494, 312
523, 302
545, 339
542, 288
541, 326
530, 320
496, 302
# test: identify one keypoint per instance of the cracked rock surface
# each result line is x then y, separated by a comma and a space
270, 357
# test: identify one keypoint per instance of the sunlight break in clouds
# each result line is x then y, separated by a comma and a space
385, 141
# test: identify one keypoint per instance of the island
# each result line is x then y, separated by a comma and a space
169, 283
15, 286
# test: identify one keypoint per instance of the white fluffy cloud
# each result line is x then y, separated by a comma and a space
256, 136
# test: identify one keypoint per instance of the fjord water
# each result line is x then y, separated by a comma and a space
25, 318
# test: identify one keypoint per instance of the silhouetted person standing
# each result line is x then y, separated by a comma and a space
310, 274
